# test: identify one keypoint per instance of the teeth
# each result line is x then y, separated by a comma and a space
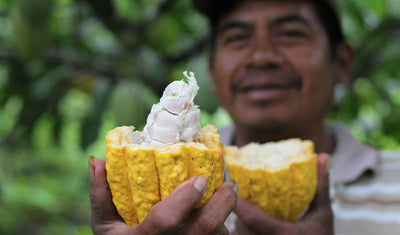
175, 118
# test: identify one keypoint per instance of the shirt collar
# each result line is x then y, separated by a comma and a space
226, 134
350, 160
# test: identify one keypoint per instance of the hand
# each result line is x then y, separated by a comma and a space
170, 216
318, 220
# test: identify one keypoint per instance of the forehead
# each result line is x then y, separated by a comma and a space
267, 11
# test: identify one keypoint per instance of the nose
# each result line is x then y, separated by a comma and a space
264, 53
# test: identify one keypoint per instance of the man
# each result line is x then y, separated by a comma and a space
274, 65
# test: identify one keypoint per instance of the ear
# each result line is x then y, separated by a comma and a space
212, 72
345, 60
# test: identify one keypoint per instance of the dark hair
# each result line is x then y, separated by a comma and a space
324, 10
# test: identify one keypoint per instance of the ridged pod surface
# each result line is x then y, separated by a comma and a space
139, 176
280, 177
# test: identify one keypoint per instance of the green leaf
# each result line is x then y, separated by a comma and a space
91, 124
131, 103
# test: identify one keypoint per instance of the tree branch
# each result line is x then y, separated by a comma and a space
59, 58
195, 49
369, 56
162, 8
106, 13
56, 58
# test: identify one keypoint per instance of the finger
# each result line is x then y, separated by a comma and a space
169, 213
241, 228
211, 216
320, 213
222, 231
322, 194
103, 209
256, 220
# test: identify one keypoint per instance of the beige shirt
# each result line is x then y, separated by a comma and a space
365, 185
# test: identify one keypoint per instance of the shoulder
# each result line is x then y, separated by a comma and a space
351, 158
388, 171
370, 204
390, 158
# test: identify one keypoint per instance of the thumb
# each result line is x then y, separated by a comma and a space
322, 196
103, 209
252, 218
320, 206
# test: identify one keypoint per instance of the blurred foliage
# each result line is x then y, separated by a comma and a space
70, 70
369, 103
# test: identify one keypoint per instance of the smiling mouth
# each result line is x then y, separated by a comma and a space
266, 92
263, 84
265, 87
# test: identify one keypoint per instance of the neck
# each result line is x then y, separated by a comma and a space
323, 140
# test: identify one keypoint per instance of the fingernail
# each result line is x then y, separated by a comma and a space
91, 166
200, 184
324, 158
327, 161
234, 186
328, 164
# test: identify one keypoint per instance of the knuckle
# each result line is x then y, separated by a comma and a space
101, 229
229, 196
189, 199
95, 206
164, 222
92, 196
208, 225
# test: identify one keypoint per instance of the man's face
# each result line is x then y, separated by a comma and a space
272, 65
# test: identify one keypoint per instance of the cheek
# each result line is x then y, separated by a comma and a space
314, 65
227, 66
228, 62
315, 68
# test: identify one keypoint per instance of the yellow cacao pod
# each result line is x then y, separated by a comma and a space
139, 176
280, 177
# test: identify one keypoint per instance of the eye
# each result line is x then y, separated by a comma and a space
290, 36
236, 37
291, 33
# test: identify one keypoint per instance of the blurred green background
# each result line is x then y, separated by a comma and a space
72, 70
